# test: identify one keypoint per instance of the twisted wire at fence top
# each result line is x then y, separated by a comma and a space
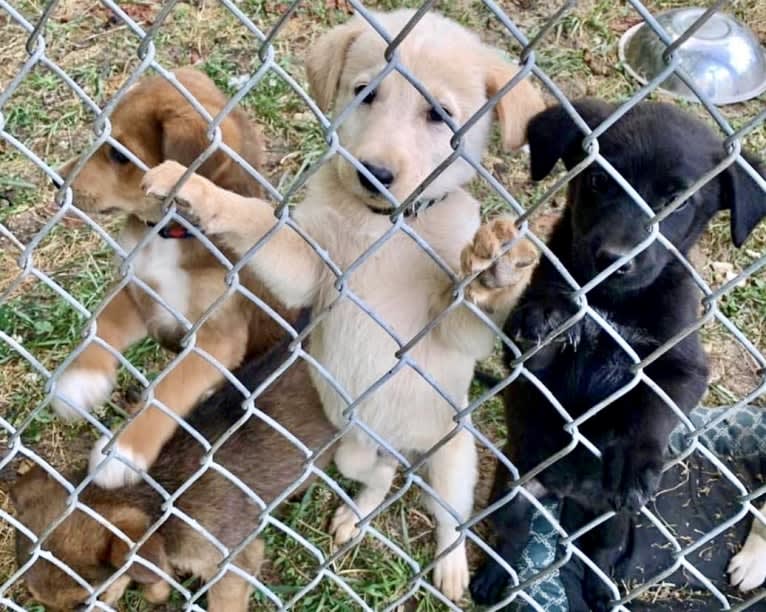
146, 53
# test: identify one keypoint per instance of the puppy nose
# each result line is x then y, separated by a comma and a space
56, 183
384, 175
606, 257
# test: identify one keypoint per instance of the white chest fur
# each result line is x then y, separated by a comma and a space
402, 285
158, 264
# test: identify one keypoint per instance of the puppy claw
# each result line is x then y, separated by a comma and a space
343, 525
114, 473
451, 575
747, 569
78, 391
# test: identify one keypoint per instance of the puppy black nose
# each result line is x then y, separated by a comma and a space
606, 257
56, 183
384, 175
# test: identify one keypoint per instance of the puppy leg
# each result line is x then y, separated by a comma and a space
286, 263
114, 593
747, 568
452, 474
604, 545
359, 460
178, 391
156, 593
232, 593
88, 381
510, 525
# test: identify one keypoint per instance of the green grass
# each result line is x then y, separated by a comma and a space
579, 54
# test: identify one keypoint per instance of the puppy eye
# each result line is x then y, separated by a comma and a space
597, 181
681, 206
368, 99
117, 157
435, 117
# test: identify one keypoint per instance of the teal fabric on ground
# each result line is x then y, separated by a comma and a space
741, 433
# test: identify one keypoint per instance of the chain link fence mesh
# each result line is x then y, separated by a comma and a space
27, 255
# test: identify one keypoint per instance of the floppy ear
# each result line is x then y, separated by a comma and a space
134, 523
326, 58
183, 133
184, 138
553, 135
744, 197
515, 108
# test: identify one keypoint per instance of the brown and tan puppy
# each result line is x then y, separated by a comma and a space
400, 139
261, 457
156, 123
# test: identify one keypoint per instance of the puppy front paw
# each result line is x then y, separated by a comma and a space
79, 390
488, 584
451, 573
747, 569
498, 272
597, 593
114, 473
632, 473
539, 316
343, 525
191, 198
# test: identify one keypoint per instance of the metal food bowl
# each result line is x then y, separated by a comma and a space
723, 58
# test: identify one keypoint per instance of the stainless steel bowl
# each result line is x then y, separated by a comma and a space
723, 57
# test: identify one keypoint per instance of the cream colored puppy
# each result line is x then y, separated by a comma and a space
401, 139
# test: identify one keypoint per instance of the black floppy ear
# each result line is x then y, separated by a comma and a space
746, 199
553, 135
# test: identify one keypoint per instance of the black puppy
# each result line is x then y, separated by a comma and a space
648, 300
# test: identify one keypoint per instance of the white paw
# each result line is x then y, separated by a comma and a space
451, 573
114, 473
747, 568
343, 525
78, 390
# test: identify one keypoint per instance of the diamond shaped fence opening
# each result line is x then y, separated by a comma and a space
63, 266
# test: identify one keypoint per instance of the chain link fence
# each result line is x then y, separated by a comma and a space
331, 565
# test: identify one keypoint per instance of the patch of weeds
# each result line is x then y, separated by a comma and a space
37, 428
746, 304
42, 318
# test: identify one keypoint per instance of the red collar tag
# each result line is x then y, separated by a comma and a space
174, 231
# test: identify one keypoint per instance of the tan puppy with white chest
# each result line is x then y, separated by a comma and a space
400, 139
156, 123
